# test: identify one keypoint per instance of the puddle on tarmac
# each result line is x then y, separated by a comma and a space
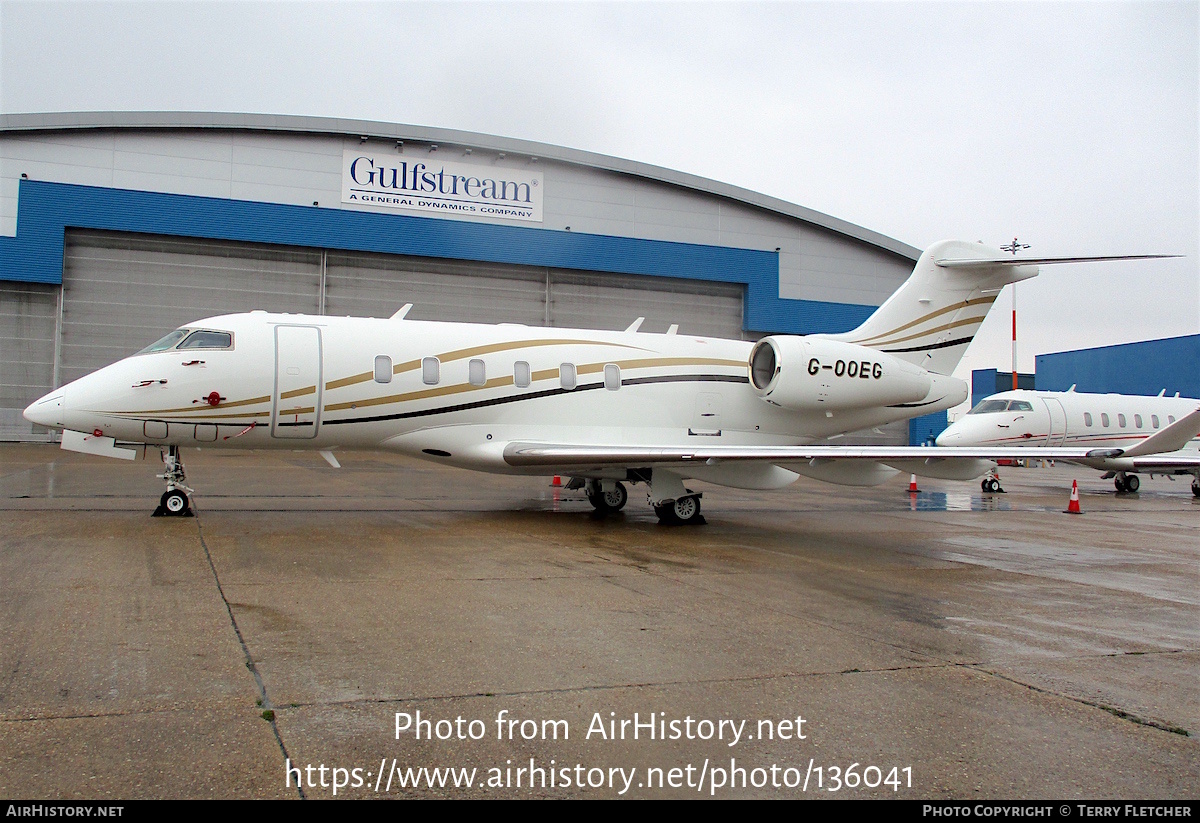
956, 502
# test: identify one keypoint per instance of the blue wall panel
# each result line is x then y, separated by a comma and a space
986, 382
925, 429
46, 210
1146, 368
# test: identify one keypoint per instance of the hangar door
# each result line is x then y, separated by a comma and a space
28, 315
121, 292
375, 285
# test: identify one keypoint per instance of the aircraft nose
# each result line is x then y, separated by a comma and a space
950, 437
47, 410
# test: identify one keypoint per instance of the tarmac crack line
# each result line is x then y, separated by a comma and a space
1113, 710
268, 709
644, 685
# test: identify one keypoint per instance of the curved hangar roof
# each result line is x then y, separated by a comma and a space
82, 121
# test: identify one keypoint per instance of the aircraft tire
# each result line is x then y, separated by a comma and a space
1132, 483
175, 503
610, 501
687, 509
1196, 488
666, 514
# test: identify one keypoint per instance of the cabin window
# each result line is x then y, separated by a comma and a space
567, 377
1104, 419
1154, 420
1020, 405
612, 377
1137, 420
208, 340
1087, 418
383, 368
476, 373
521, 374
431, 369
165, 343
1121, 420
1170, 418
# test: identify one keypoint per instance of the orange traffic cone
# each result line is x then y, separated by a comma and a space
912, 483
1073, 506
557, 481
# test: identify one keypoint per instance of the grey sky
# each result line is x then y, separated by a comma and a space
1072, 126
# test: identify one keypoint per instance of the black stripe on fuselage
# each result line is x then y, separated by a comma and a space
945, 345
497, 401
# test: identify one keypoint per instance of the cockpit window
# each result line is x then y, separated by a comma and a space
208, 340
1020, 405
989, 406
167, 342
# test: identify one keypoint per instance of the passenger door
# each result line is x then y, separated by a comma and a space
296, 399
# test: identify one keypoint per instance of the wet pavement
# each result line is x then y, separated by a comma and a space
943, 644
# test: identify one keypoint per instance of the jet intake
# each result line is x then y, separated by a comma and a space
815, 374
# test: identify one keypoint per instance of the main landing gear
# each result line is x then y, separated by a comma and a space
684, 511
673, 503
607, 496
175, 501
1127, 482
991, 484
1196, 487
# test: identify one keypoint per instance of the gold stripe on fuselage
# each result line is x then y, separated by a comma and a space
978, 301
459, 354
956, 324
543, 374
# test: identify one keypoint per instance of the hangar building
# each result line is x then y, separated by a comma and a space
117, 227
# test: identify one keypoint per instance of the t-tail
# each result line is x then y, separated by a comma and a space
933, 317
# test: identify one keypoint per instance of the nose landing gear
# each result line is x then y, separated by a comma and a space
175, 501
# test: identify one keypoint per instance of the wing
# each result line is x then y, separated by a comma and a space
569, 456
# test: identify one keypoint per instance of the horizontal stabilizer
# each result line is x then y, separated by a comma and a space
989, 262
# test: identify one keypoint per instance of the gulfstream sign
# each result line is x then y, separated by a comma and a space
432, 186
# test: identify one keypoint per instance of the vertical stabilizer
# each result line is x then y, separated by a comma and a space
933, 317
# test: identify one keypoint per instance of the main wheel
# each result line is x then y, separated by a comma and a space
1132, 483
991, 485
1119, 482
612, 500
615, 498
175, 502
1196, 488
687, 509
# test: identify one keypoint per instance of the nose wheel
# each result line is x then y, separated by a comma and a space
175, 501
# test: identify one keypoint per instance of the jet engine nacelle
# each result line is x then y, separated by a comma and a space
813, 374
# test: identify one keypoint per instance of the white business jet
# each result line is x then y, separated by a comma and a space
1151, 432
604, 408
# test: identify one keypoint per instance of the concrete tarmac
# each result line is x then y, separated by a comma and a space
819, 641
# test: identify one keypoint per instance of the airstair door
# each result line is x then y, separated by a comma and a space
296, 400
1058, 422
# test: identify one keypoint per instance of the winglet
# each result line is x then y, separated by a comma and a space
403, 312
636, 324
1173, 438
